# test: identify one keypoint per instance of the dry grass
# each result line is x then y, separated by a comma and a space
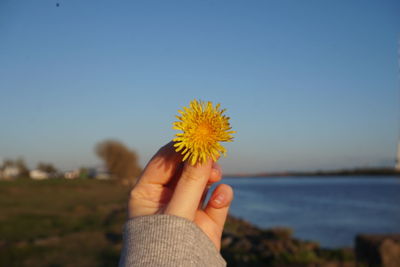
61, 223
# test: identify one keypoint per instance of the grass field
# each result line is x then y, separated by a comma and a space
61, 222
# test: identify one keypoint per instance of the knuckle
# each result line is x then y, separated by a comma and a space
135, 194
190, 176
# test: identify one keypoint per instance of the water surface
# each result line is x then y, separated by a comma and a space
328, 210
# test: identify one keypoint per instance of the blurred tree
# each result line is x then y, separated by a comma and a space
7, 163
121, 162
46, 167
19, 163
23, 169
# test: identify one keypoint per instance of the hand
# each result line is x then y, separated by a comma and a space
169, 186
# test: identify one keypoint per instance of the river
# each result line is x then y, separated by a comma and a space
330, 210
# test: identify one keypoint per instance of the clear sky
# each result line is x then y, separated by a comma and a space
308, 84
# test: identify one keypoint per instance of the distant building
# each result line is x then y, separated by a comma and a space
72, 174
100, 173
38, 175
11, 172
103, 176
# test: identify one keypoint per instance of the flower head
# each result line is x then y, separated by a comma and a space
203, 127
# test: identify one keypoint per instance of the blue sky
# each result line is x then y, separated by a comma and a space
307, 84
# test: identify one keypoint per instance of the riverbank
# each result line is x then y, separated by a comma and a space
243, 244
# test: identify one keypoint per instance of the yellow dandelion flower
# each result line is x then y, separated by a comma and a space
203, 127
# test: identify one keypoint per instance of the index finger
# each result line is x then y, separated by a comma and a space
189, 190
162, 167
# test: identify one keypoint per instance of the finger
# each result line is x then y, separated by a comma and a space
189, 189
216, 173
162, 167
219, 203
215, 177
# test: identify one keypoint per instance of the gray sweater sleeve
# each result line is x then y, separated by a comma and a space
167, 240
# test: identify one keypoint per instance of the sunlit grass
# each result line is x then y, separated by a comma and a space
44, 223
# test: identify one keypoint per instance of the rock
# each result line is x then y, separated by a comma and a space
390, 253
227, 240
378, 250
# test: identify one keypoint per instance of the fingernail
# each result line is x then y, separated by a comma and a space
219, 199
216, 169
216, 166
216, 172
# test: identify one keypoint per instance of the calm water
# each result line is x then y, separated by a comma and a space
328, 210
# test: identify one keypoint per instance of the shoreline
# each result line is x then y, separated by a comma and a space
358, 172
244, 244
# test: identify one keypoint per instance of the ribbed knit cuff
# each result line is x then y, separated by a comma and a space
167, 240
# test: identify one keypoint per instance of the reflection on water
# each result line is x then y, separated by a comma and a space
328, 210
